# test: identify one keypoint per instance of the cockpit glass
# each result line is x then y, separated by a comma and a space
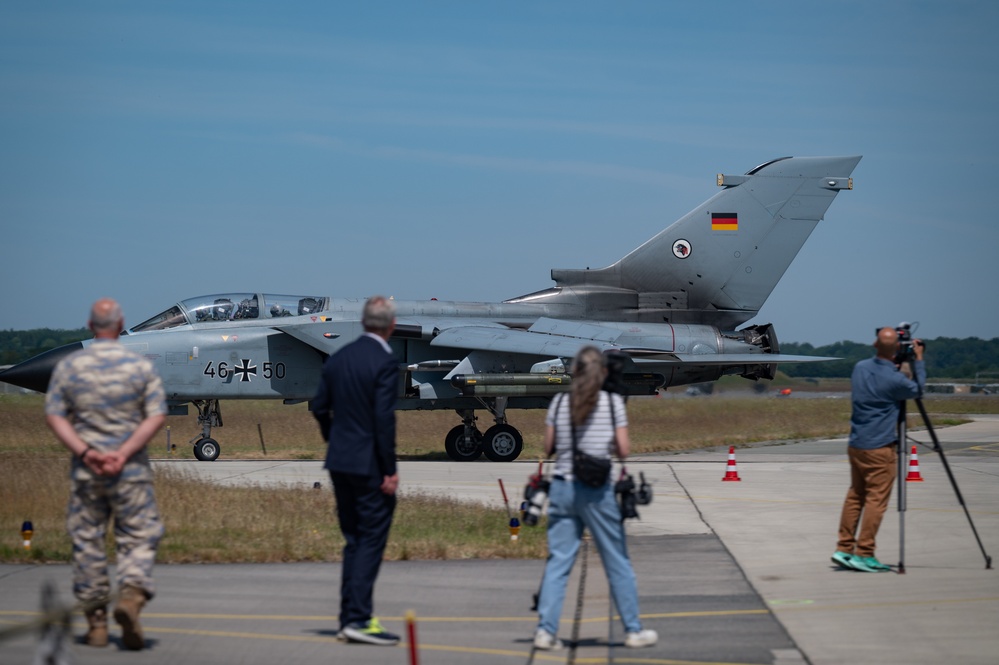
226, 307
276, 306
169, 319
233, 307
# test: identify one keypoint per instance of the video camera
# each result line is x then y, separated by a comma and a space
906, 345
629, 497
535, 495
614, 383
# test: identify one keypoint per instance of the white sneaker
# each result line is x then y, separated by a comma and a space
643, 638
546, 641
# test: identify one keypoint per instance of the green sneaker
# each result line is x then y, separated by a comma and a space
873, 563
370, 632
859, 563
842, 559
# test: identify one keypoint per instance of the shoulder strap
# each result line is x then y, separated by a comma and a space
610, 401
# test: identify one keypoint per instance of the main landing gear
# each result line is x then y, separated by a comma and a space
500, 443
206, 448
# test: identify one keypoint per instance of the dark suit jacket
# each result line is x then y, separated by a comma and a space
355, 407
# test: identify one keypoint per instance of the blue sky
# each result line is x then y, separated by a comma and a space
460, 150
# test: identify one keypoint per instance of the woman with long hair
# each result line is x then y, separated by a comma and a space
599, 422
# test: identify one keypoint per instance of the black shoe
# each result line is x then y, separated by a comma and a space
370, 632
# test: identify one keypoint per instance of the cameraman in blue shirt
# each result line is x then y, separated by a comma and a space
877, 390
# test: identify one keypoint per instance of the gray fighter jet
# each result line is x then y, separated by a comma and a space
669, 314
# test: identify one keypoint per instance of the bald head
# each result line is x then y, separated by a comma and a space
106, 319
886, 343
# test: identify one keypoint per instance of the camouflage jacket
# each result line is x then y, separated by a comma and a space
105, 391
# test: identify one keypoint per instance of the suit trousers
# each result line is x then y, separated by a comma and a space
365, 515
872, 473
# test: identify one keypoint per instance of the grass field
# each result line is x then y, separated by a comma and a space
204, 521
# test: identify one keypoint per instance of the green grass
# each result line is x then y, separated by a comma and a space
209, 523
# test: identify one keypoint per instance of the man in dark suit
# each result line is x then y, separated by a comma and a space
355, 407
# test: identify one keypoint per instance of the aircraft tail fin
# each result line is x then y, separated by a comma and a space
719, 263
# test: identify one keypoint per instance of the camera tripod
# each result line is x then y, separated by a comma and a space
903, 461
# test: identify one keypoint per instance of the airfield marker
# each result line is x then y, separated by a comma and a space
914, 476
731, 473
260, 431
514, 522
414, 657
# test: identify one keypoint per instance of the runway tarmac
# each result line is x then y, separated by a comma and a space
729, 572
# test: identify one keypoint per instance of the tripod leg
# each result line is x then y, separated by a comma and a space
579, 604
953, 482
900, 479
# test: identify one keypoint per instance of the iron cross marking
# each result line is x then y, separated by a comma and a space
245, 370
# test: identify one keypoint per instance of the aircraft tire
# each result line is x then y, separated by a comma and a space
456, 447
502, 443
207, 450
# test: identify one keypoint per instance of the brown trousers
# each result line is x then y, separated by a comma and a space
872, 473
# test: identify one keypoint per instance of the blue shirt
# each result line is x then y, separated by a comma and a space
876, 388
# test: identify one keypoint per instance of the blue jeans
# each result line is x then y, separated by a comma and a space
573, 506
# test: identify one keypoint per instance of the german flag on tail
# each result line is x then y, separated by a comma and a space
724, 221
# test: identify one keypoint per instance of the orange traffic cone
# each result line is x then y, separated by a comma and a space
914, 476
731, 473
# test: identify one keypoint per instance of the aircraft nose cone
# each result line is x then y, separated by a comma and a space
34, 373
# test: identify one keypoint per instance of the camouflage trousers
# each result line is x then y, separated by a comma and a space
131, 507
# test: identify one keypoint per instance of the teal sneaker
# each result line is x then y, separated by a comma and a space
842, 559
873, 563
868, 564
859, 564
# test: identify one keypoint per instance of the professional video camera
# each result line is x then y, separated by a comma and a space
614, 383
628, 497
906, 345
535, 495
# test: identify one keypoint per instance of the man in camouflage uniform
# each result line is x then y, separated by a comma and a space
105, 403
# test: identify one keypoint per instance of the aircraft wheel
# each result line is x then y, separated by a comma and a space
502, 443
458, 449
207, 450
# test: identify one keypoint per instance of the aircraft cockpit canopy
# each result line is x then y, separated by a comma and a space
233, 307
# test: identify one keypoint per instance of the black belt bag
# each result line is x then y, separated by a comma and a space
590, 470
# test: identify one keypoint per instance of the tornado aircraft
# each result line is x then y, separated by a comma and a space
670, 310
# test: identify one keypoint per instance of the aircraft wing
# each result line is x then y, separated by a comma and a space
483, 338
550, 338
553, 338
743, 358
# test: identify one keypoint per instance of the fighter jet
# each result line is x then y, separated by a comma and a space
669, 312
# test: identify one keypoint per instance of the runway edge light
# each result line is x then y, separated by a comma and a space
27, 530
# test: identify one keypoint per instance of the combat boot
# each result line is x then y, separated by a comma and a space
126, 613
97, 633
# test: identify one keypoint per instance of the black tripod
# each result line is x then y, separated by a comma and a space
903, 461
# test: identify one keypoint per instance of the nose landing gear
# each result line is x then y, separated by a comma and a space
206, 448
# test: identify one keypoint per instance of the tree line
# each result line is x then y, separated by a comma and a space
19, 345
946, 357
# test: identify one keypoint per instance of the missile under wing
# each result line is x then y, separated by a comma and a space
669, 314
